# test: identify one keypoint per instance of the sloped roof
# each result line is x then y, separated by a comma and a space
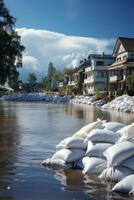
128, 44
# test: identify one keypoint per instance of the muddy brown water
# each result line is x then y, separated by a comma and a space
29, 133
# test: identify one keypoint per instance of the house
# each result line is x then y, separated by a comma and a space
123, 67
96, 73
76, 80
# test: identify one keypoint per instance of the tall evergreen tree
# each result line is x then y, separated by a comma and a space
10, 47
32, 78
51, 70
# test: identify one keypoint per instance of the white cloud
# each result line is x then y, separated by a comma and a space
31, 62
44, 46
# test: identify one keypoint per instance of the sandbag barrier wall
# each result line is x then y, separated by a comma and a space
103, 148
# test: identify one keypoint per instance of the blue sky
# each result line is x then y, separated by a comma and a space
65, 31
94, 18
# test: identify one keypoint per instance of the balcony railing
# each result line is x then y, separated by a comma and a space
116, 78
72, 83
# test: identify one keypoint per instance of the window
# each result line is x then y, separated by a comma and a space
85, 76
125, 57
132, 55
99, 63
102, 74
118, 59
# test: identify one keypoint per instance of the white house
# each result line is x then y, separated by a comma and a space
96, 74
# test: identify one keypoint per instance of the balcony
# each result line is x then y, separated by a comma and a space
116, 78
89, 80
72, 83
88, 69
61, 84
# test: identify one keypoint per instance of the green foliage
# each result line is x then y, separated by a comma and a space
97, 92
10, 47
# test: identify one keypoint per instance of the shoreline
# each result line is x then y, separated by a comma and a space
123, 103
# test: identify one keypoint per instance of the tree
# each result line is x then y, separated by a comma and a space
97, 92
10, 47
51, 70
32, 78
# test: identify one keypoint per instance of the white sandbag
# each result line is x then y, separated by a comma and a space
72, 142
113, 126
125, 185
118, 153
69, 155
115, 173
127, 131
101, 135
96, 150
83, 132
129, 163
93, 165
57, 163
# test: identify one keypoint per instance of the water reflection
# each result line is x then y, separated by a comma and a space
9, 140
91, 113
72, 180
29, 133
91, 185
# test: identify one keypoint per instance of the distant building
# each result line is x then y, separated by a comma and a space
96, 73
76, 80
123, 66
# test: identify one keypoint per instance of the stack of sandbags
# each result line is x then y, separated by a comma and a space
98, 141
118, 156
72, 149
123, 103
68, 151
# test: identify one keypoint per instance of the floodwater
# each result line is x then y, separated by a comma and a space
29, 133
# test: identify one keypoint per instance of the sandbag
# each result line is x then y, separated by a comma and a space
93, 165
57, 163
96, 150
113, 126
101, 135
127, 131
83, 132
129, 163
69, 155
118, 153
125, 185
115, 173
72, 142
